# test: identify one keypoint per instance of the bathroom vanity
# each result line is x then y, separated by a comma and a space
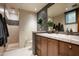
53, 44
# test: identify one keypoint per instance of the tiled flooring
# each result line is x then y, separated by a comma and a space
27, 51
13, 50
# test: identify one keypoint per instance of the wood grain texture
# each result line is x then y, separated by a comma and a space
64, 49
52, 47
37, 46
74, 50
43, 46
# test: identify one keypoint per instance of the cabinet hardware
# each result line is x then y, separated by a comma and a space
70, 46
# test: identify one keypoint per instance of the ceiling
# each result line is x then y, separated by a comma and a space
59, 8
27, 6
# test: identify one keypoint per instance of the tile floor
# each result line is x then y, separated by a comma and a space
27, 51
14, 50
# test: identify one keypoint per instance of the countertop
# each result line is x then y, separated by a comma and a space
62, 37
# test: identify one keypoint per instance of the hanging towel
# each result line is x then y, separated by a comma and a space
5, 27
3, 31
1, 27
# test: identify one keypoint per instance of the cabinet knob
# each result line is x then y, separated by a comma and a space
70, 46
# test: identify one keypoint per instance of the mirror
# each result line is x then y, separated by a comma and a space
60, 13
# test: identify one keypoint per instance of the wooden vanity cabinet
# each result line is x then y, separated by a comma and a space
52, 47
68, 49
74, 50
64, 48
43, 46
38, 46
38, 42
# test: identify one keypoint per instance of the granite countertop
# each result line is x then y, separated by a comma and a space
62, 37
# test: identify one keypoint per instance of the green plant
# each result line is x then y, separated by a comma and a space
50, 23
40, 21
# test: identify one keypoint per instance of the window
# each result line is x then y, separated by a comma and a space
70, 17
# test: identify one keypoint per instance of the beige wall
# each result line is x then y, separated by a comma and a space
61, 18
13, 34
28, 24
13, 29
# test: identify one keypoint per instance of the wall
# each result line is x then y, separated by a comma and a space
61, 18
12, 28
2, 10
13, 34
28, 23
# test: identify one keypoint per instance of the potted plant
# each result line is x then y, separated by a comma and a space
50, 25
40, 22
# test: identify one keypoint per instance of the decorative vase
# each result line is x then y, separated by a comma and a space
50, 29
40, 28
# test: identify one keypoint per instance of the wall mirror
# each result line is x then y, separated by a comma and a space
60, 14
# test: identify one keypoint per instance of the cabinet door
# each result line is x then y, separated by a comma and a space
43, 46
64, 49
38, 45
74, 50
38, 42
52, 47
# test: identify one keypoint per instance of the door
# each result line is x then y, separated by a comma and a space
74, 50
43, 46
64, 48
38, 45
52, 47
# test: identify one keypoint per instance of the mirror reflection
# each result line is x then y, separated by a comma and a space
64, 17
